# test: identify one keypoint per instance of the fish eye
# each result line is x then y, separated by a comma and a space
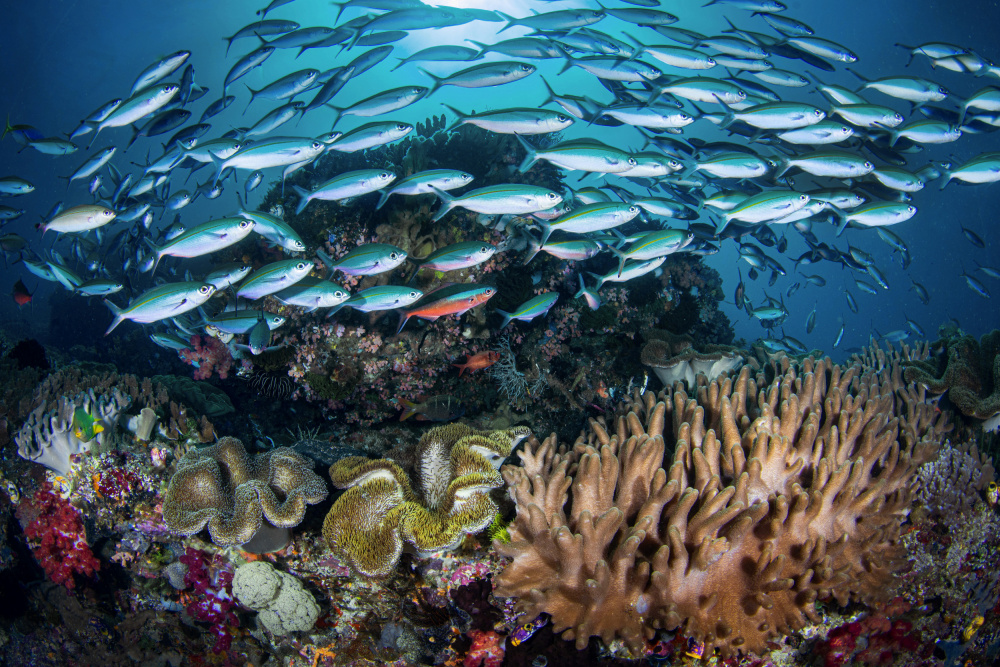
490, 291
205, 289
384, 174
552, 195
340, 295
561, 118
317, 144
803, 197
108, 212
674, 164
526, 68
633, 209
300, 265
393, 255
485, 248
869, 165
741, 95
413, 295
632, 161
401, 126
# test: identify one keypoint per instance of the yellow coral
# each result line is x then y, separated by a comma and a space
380, 512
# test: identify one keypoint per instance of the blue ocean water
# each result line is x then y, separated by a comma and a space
64, 59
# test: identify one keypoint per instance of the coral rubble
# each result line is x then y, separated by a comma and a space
777, 494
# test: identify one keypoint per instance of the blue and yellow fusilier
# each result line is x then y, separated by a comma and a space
530, 309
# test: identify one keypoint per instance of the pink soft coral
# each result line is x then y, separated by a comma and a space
486, 651
208, 355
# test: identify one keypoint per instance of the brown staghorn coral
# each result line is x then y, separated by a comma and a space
244, 501
776, 495
380, 512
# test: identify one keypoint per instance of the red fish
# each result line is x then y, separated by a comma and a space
477, 361
447, 300
22, 296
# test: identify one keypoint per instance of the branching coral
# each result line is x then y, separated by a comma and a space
380, 512
968, 370
50, 437
777, 495
244, 501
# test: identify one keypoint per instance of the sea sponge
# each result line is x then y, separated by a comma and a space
239, 498
776, 495
380, 513
282, 604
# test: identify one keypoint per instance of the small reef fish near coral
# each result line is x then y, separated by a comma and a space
690, 254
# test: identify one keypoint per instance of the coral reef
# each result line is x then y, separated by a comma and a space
244, 501
968, 370
778, 494
379, 512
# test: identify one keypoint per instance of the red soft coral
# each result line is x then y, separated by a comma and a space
56, 537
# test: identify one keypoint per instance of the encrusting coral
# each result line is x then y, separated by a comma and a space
778, 494
244, 501
380, 512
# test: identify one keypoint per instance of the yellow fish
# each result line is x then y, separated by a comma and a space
85, 427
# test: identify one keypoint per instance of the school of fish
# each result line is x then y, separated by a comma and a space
845, 158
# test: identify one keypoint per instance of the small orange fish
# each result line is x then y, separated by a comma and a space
477, 361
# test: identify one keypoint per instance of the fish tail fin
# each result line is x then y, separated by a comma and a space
447, 203
946, 176
781, 165
534, 246
511, 21
893, 138
409, 409
7, 129
961, 116
621, 258
337, 112
507, 317
482, 48
729, 118
568, 60
383, 197
911, 49
117, 312
459, 117
599, 279
552, 93
530, 158
403, 318
303, 198
723, 223
436, 79
842, 221
253, 96
462, 368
